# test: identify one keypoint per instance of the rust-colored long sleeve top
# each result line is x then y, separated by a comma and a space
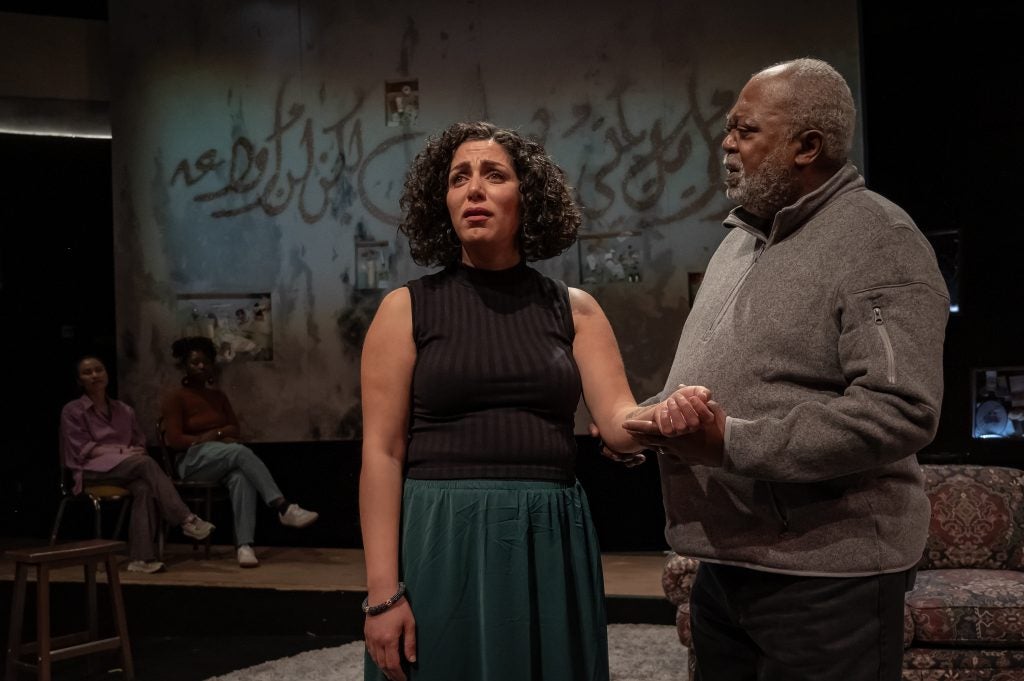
189, 412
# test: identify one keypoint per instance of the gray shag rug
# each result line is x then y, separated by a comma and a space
637, 652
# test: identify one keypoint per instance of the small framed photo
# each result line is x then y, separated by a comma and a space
611, 258
373, 265
239, 324
401, 102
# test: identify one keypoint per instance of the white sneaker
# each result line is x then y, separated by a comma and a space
298, 517
247, 557
197, 528
146, 566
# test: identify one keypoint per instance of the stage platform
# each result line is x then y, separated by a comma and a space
313, 591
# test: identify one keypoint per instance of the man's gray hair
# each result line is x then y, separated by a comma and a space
819, 98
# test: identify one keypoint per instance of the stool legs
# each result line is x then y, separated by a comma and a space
43, 623
17, 617
91, 618
47, 649
120, 622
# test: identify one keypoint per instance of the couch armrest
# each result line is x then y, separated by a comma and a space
977, 518
677, 578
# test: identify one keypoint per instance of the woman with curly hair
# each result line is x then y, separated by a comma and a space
481, 558
198, 419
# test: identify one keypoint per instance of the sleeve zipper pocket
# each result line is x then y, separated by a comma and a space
890, 355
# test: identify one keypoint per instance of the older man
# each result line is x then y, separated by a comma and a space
819, 330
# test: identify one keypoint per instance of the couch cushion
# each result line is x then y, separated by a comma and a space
963, 664
968, 607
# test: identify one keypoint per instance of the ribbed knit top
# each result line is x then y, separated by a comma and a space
495, 386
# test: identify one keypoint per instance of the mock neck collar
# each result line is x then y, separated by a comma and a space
504, 277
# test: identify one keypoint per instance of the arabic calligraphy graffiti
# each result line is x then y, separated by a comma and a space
332, 166
644, 162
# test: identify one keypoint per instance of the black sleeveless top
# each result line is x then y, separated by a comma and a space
495, 386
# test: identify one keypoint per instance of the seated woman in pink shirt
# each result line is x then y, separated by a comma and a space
101, 441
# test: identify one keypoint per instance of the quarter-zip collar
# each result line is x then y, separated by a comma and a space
792, 217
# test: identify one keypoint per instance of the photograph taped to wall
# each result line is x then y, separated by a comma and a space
373, 265
239, 325
401, 102
998, 403
611, 258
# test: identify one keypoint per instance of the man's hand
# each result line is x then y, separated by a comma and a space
705, 447
684, 411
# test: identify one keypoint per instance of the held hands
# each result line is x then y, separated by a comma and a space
688, 425
390, 637
685, 411
117, 450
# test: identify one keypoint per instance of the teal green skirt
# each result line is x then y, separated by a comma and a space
504, 579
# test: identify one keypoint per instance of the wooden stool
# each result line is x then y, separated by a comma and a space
48, 650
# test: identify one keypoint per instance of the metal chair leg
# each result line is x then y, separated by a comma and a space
56, 521
97, 516
120, 519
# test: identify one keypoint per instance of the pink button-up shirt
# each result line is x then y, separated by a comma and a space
90, 441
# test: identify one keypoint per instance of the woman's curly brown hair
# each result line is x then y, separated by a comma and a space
549, 218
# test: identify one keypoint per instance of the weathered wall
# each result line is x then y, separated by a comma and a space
251, 153
53, 58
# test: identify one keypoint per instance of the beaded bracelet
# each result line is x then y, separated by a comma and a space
381, 607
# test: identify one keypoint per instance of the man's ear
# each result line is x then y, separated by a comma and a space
811, 144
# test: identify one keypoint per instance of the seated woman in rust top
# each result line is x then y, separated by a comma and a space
198, 418
101, 443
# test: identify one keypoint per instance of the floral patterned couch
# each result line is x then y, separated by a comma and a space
964, 620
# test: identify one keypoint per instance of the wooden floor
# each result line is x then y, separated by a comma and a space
635, 575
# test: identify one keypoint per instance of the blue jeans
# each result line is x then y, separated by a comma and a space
245, 475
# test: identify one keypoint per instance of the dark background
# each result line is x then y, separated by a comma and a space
941, 114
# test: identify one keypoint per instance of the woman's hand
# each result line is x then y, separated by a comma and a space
629, 460
390, 636
207, 436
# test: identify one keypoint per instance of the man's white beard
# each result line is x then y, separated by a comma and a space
771, 187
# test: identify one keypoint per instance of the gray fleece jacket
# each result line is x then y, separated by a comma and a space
824, 346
